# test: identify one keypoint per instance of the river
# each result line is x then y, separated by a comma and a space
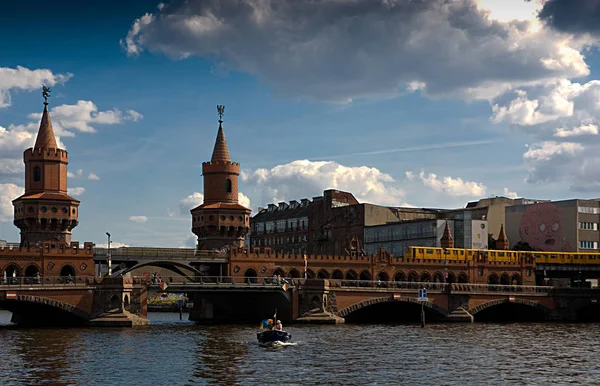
174, 352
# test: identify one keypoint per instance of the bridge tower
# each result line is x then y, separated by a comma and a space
447, 241
45, 211
220, 222
502, 242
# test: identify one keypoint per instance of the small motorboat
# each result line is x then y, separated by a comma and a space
272, 336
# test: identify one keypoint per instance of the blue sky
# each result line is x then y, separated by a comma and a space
428, 106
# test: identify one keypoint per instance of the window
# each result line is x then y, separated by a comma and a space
228, 185
587, 209
588, 244
37, 173
592, 226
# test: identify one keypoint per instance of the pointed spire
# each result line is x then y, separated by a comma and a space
221, 151
45, 137
502, 242
447, 241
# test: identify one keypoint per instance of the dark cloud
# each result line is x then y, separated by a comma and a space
341, 50
573, 16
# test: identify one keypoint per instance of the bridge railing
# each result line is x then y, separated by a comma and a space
447, 287
48, 281
218, 280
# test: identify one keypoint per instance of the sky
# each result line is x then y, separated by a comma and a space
424, 103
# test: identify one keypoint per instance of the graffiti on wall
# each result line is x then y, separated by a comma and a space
541, 228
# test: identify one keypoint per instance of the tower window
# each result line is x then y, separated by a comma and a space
228, 185
37, 173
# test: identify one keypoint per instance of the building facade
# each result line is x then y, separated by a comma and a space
45, 214
220, 222
395, 237
562, 226
283, 227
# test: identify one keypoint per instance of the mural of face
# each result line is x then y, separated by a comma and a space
540, 227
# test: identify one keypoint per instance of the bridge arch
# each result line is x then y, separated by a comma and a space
170, 265
399, 276
337, 275
12, 270
250, 275
369, 302
294, 273
80, 313
365, 275
438, 277
463, 277
279, 271
516, 279
493, 279
496, 302
351, 275
413, 276
32, 270
451, 278
383, 276
505, 279
66, 270
323, 274
425, 277
310, 274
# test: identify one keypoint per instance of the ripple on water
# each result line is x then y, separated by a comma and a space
178, 352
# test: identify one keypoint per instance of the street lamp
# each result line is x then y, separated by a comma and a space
109, 262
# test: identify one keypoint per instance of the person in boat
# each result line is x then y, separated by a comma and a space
278, 326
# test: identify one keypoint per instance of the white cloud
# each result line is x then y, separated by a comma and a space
549, 161
8, 192
78, 173
22, 78
581, 130
439, 47
76, 191
195, 199
138, 218
80, 117
303, 178
451, 186
509, 194
11, 166
93, 177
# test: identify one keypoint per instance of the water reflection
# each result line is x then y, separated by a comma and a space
221, 357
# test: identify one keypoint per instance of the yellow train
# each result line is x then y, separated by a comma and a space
460, 254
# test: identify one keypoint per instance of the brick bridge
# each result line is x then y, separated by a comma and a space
217, 299
64, 301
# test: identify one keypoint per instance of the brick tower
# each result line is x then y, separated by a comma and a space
447, 241
220, 221
45, 211
502, 242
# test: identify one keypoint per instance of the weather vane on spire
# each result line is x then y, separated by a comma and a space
46, 93
220, 111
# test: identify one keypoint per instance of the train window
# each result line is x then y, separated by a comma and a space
500, 253
429, 251
469, 253
537, 255
553, 256
575, 257
592, 257
420, 250
462, 252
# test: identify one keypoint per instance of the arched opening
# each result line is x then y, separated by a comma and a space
493, 279
32, 275
228, 187
337, 275
279, 272
250, 276
413, 276
516, 279
323, 274
352, 278
67, 274
365, 275
383, 276
425, 277
386, 311
399, 276
11, 274
438, 277
115, 303
294, 273
126, 302
310, 274
463, 278
451, 278
505, 279
37, 174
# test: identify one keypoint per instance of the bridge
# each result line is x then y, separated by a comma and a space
218, 299
71, 301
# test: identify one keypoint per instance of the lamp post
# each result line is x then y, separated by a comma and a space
109, 262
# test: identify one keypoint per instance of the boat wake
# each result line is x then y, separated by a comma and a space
277, 344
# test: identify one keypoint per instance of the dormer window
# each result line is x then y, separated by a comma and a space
37, 174
228, 186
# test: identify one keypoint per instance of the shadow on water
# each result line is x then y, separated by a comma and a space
511, 312
393, 312
590, 313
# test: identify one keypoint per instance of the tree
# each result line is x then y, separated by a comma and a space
523, 246
491, 241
